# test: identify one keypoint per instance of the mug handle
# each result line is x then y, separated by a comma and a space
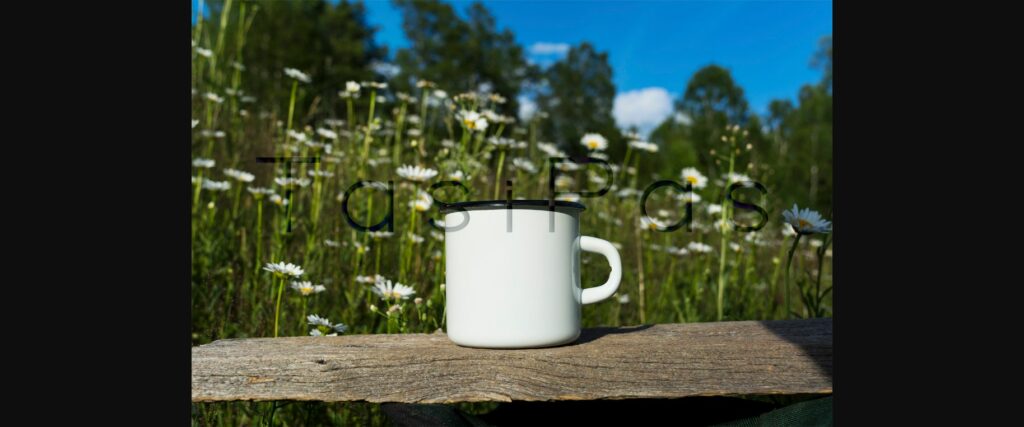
600, 293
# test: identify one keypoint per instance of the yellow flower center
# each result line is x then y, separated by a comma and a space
469, 123
803, 224
306, 290
592, 144
691, 179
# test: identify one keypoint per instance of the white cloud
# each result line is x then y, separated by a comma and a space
386, 69
683, 119
526, 108
545, 48
644, 108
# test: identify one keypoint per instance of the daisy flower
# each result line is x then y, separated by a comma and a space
239, 175
282, 269
259, 192
340, 328
498, 99
690, 197
806, 221
787, 230
194, 123
473, 120
417, 239
653, 224
291, 182
314, 173
209, 184
679, 251
278, 200
205, 53
327, 133
375, 85
370, 279
457, 176
331, 243
627, 192
440, 94
737, 177
501, 142
568, 197
297, 75
296, 135
203, 163
387, 289
624, 299
214, 97
377, 235
594, 141
550, 149
352, 87
524, 164
416, 173
644, 146
714, 208
568, 166
315, 320
564, 181
307, 287
423, 201
694, 177
699, 247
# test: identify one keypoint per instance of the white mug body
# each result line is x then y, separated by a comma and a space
513, 275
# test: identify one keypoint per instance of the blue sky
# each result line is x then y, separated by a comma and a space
655, 46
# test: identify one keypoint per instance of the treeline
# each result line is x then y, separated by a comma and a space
790, 148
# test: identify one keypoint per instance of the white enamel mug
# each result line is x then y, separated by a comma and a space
513, 274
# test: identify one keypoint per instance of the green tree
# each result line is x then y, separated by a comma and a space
330, 43
460, 55
579, 96
800, 140
677, 149
713, 100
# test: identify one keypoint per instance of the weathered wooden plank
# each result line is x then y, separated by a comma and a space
652, 361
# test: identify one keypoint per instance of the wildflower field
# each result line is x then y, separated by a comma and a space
277, 148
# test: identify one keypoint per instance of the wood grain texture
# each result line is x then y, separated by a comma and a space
651, 361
